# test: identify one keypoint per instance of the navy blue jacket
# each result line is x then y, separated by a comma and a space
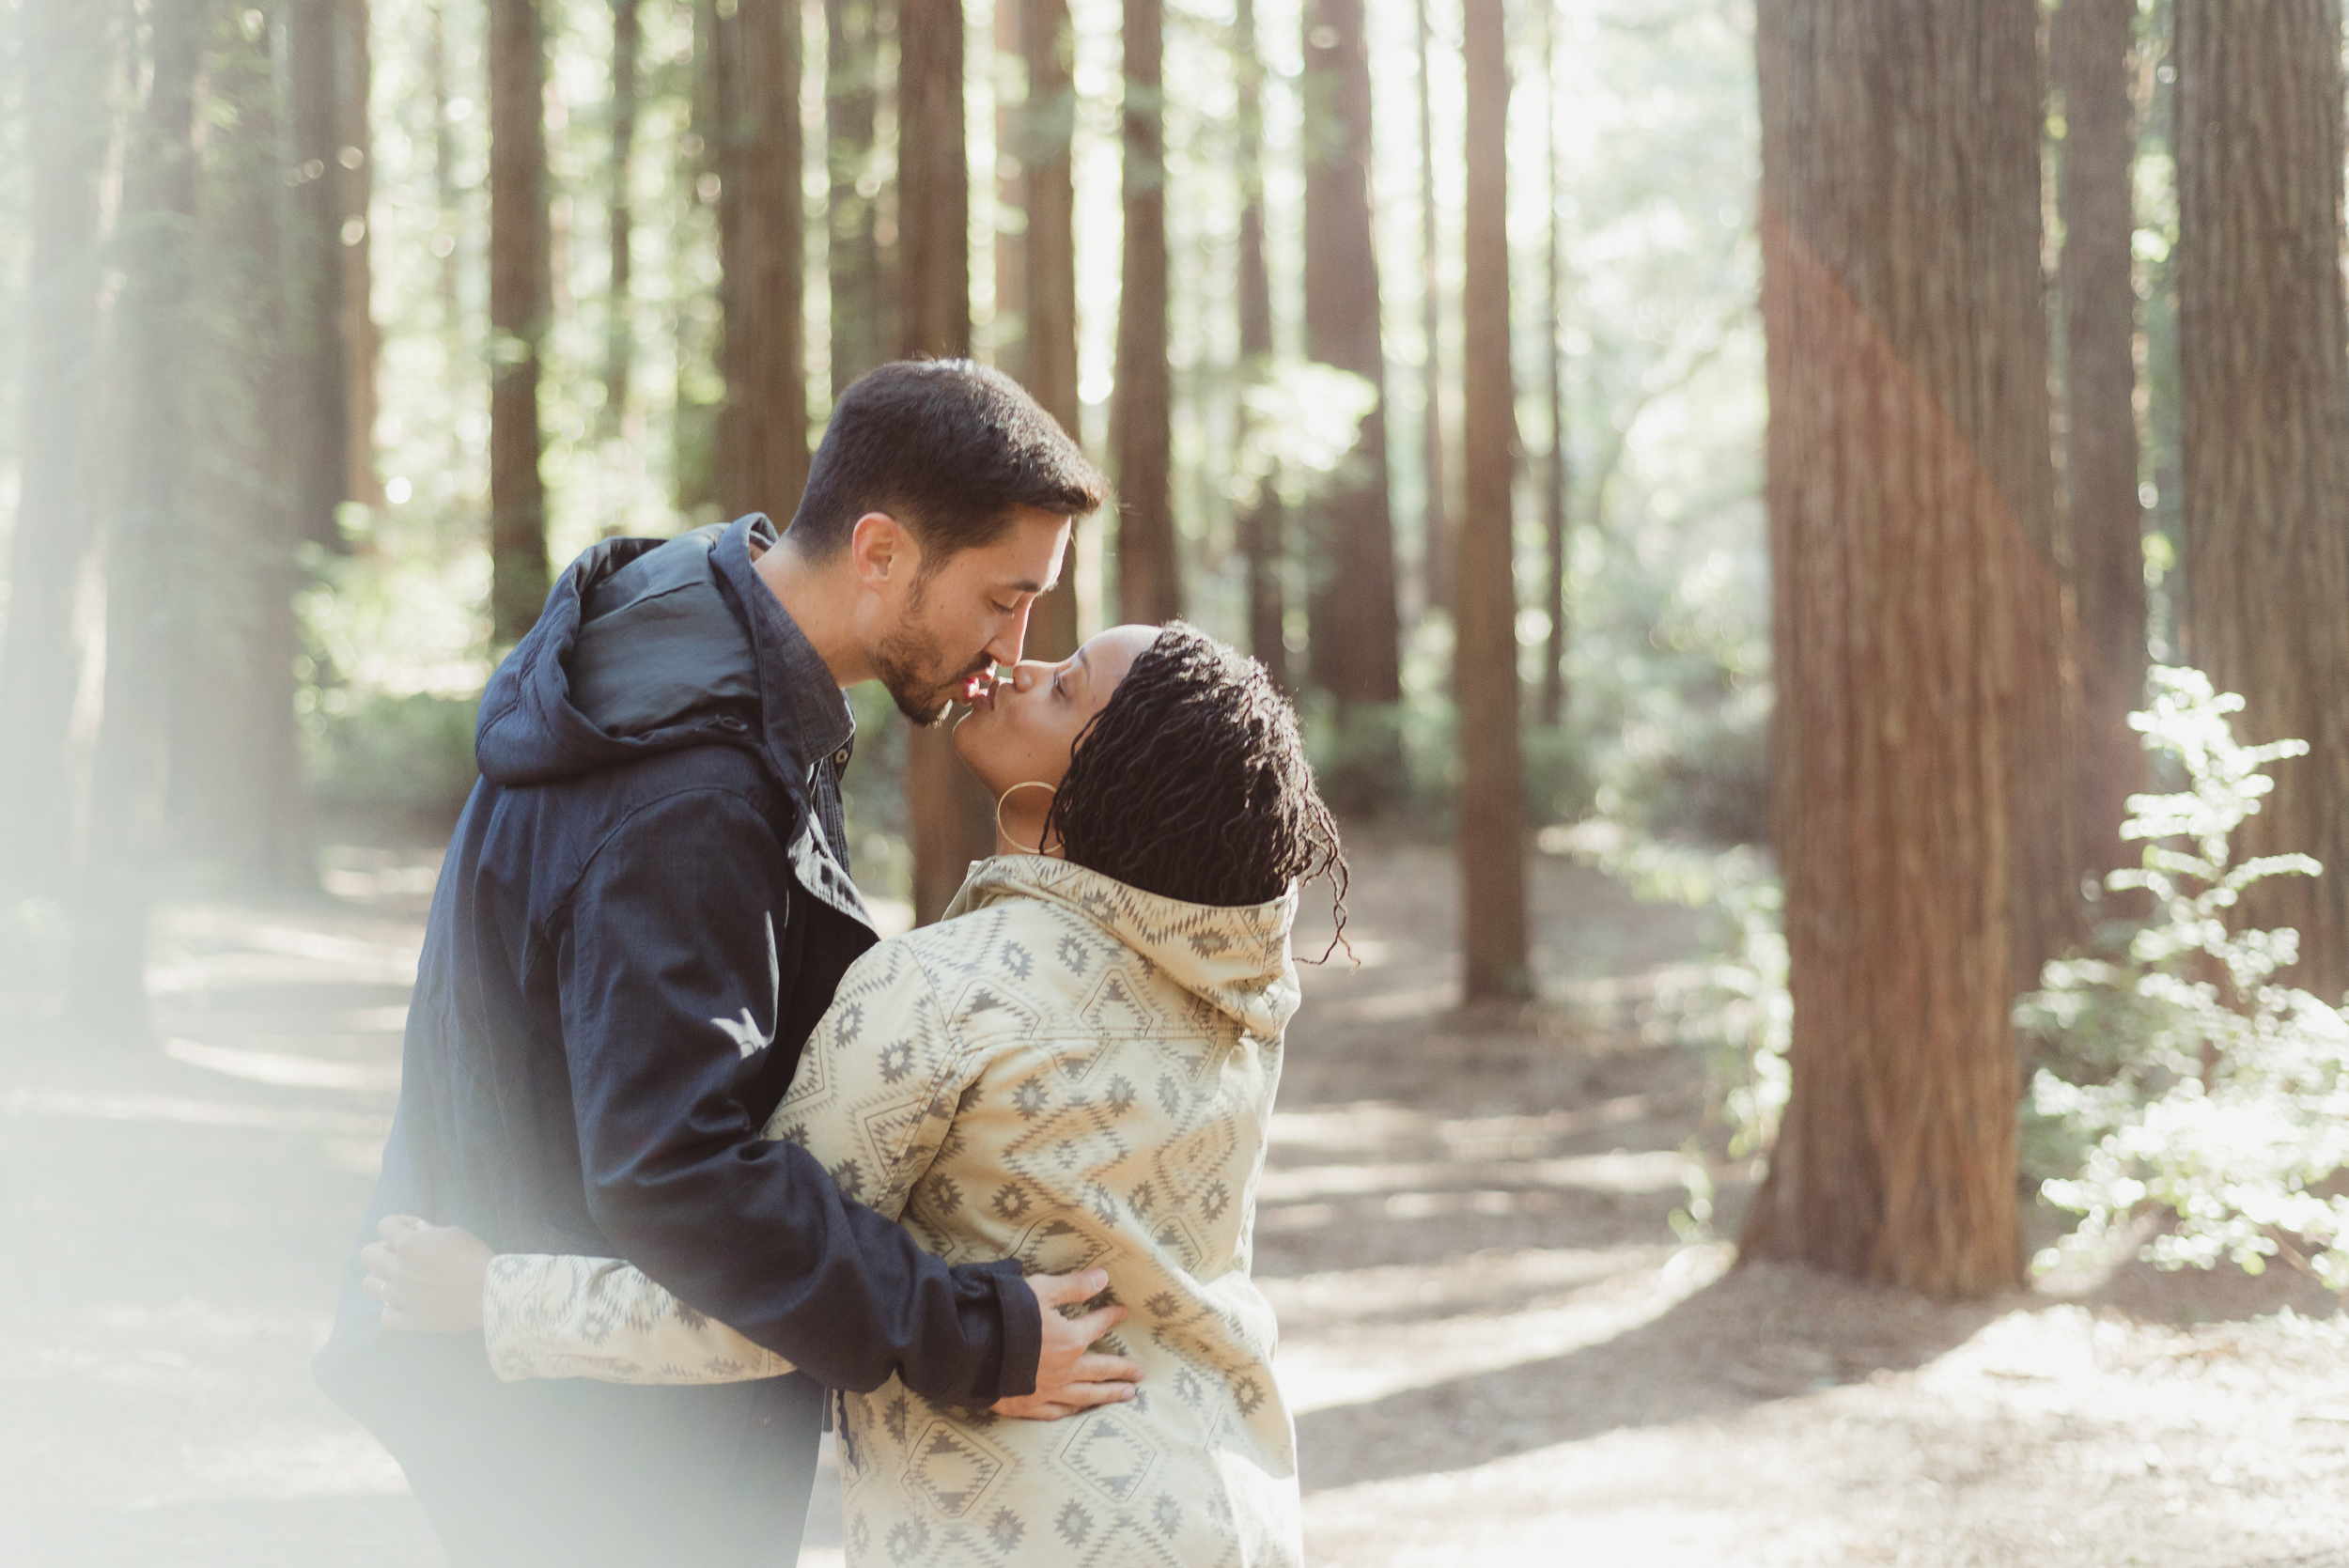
640, 919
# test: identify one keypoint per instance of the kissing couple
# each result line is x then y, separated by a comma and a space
687, 1162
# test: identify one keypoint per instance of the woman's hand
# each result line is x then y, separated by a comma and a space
427, 1277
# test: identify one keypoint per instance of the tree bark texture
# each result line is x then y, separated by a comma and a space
2264, 370
1484, 662
1262, 524
954, 821
1048, 268
933, 185
1149, 582
860, 289
1556, 476
146, 521
353, 174
2105, 520
520, 302
236, 789
1436, 540
619, 334
1356, 640
1910, 490
762, 427
321, 433
69, 46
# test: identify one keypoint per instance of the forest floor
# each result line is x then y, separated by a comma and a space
1498, 1350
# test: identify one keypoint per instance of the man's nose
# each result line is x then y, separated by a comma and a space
1009, 641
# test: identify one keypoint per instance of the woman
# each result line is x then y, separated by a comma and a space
1075, 1069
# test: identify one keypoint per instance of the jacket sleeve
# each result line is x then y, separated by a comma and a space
669, 986
873, 1101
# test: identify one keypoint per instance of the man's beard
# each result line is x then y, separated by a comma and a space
904, 662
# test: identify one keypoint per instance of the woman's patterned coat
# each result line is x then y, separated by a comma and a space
1075, 1074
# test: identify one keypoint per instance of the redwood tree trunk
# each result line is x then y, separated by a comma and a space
1555, 472
860, 291
1435, 538
520, 301
321, 433
954, 821
1149, 584
2104, 518
620, 332
353, 174
51, 571
236, 769
762, 427
1485, 663
1048, 265
148, 475
1356, 647
1909, 489
1262, 524
2264, 370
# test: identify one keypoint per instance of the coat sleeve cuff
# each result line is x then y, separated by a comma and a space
1010, 1371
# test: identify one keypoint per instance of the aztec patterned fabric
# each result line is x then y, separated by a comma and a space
1069, 1072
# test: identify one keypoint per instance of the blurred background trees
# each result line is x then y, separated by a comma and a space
1421, 341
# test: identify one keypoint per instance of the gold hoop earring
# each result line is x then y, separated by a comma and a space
1000, 830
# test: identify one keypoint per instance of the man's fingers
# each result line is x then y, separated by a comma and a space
392, 1227
379, 1258
1086, 1396
1094, 1324
1104, 1369
1066, 1290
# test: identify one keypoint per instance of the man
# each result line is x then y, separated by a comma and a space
645, 908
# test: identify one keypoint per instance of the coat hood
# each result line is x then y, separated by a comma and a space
1236, 959
638, 651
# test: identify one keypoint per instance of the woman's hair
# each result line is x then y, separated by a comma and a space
1192, 782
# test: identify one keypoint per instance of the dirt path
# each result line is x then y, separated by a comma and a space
1497, 1350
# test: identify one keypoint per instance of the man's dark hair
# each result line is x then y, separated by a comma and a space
1192, 782
946, 447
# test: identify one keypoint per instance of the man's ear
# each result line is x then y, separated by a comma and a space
883, 552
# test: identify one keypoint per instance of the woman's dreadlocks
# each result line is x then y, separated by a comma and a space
1192, 784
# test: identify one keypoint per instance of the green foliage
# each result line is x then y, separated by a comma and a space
404, 758
1738, 1009
2182, 1077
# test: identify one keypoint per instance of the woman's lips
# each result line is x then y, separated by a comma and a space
978, 690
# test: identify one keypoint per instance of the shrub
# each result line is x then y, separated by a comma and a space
2181, 1075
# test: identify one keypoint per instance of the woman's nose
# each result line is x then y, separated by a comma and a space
1025, 673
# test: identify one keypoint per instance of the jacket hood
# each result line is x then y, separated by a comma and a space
1236, 959
638, 651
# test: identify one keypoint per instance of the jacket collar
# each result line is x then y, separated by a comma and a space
806, 715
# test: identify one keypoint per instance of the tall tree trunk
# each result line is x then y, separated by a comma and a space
68, 47
353, 174
2263, 362
1484, 664
954, 821
1435, 538
236, 769
146, 515
320, 434
1356, 644
860, 289
1555, 472
443, 163
1911, 487
1262, 525
762, 428
2105, 518
619, 330
1149, 580
1048, 268
520, 302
